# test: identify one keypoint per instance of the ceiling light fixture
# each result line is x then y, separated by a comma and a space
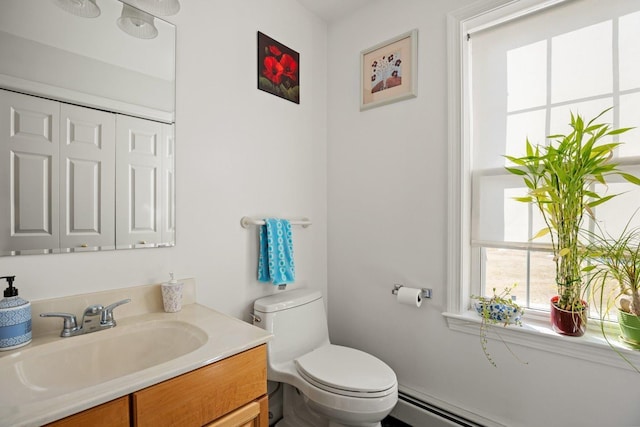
83, 8
137, 23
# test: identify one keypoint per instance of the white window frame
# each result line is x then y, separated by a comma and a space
536, 332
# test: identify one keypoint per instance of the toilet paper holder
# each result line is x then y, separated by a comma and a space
426, 292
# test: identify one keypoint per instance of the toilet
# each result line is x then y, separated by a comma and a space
324, 385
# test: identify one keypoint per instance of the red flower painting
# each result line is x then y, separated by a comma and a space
278, 69
272, 69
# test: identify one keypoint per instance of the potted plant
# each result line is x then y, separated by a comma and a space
497, 309
560, 179
615, 282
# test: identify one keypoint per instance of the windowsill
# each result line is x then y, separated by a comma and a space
538, 334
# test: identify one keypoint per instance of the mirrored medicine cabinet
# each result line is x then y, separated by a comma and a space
87, 125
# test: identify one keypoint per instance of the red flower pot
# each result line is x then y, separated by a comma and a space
565, 322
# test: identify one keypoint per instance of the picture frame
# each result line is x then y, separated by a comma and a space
278, 69
389, 71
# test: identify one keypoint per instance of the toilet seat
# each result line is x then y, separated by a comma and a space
346, 371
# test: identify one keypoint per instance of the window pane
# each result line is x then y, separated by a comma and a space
537, 224
581, 64
614, 215
527, 76
606, 299
506, 267
629, 51
516, 224
630, 117
522, 126
499, 217
561, 116
542, 280
503, 268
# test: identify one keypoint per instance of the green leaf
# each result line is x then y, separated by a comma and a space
632, 179
524, 199
528, 183
601, 200
541, 233
516, 171
619, 131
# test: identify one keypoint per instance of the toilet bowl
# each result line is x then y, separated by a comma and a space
324, 384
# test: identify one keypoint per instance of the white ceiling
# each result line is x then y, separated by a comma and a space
331, 10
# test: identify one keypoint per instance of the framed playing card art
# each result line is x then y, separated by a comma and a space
389, 71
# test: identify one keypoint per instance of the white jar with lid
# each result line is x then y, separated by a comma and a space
172, 295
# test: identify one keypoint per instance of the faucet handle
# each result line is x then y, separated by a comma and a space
107, 312
70, 323
92, 310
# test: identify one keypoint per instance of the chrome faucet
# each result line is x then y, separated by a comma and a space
90, 322
106, 315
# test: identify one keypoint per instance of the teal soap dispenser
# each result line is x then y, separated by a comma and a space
15, 318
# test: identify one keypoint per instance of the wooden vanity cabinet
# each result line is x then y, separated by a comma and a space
228, 393
199, 397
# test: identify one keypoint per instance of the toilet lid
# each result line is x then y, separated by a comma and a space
346, 371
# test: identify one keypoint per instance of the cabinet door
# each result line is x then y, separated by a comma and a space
29, 135
138, 182
110, 414
87, 178
255, 414
168, 185
204, 395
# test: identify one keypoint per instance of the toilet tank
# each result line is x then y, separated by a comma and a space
297, 320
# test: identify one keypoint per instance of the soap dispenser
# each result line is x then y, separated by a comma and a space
15, 318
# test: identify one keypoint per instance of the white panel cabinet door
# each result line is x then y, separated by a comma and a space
87, 178
138, 182
29, 135
168, 185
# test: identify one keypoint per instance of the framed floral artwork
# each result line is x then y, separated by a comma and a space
389, 71
278, 69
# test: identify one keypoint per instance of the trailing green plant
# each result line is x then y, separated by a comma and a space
494, 310
614, 259
560, 179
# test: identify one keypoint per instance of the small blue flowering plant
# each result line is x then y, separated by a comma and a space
500, 308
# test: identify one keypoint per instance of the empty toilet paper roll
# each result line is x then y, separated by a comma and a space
410, 296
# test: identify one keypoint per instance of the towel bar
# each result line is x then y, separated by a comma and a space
246, 222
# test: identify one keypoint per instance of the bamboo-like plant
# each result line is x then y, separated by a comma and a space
560, 179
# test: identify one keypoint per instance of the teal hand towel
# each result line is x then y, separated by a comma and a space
275, 263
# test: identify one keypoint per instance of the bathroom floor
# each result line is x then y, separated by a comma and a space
392, 422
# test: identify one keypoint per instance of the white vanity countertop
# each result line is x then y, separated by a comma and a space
226, 336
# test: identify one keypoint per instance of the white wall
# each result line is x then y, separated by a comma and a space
246, 152
387, 224
240, 151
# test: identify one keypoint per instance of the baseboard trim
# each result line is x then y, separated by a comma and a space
414, 405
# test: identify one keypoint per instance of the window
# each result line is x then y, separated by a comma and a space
525, 76
516, 69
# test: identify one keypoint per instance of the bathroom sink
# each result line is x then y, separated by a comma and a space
71, 364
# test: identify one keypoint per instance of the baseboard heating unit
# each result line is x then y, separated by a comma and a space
419, 413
